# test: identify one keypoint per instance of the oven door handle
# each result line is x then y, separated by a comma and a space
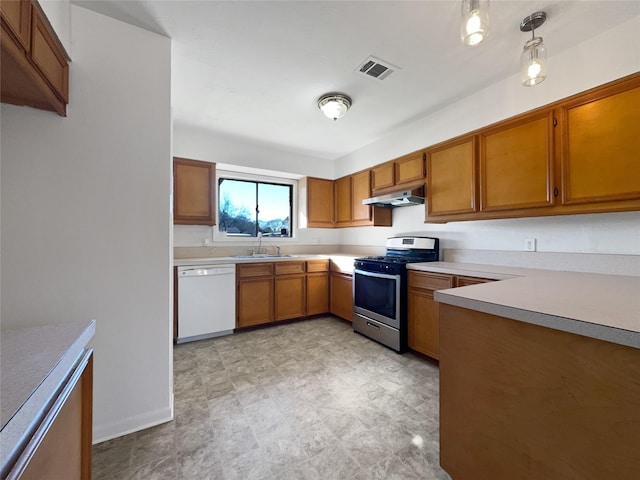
369, 324
373, 274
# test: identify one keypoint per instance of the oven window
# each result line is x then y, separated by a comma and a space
376, 294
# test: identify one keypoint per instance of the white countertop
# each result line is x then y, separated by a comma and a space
343, 261
606, 307
34, 364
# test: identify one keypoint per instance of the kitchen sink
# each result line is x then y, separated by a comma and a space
264, 255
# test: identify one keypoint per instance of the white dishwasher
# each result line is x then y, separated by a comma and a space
206, 301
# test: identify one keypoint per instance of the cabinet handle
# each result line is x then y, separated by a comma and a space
555, 122
555, 192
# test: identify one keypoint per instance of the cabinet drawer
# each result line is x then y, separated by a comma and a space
431, 281
466, 281
317, 266
284, 268
254, 270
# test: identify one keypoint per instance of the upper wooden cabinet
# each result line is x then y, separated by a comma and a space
516, 163
360, 189
578, 155
451, 177
343, 202
350, 212
194, 197
406, 171
601, 145
34, 64
383, 176
316, 201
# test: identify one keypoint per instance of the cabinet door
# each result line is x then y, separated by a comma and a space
410, 168
290, 296
343, 201
317, 293
383, 176
341, 302
516, 164
16, 17
320, 201
422, 311
255, 301
451, 178
360, 189
601, 146
424, 323
46, 55
194, 192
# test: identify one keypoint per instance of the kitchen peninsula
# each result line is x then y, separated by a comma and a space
46, 387
539, 374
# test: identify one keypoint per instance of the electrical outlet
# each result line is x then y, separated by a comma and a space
530, 245
314, 241
206, 242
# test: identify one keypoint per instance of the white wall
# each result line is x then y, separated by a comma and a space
598, 60
86, 221
209, 146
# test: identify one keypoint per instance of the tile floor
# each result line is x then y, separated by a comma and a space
306, 400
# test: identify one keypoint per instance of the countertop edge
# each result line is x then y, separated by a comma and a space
18, 430
579, 327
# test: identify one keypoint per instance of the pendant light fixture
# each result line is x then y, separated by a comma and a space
474, 26
533, 61
334, 105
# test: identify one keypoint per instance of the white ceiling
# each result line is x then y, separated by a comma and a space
254, 70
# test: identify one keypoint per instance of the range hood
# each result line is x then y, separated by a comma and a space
402, 198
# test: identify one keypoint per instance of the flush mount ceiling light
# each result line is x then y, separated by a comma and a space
474, 27
334, 105
533, 61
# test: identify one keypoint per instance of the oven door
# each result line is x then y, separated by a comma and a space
377, 296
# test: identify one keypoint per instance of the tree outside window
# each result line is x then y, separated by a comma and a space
247, 207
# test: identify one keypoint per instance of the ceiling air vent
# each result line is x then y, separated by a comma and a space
376, 68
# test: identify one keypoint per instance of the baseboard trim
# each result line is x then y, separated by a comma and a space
102, 433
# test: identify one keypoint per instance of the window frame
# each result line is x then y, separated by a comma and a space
221, 237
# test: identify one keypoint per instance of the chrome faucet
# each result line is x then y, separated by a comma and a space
259, 243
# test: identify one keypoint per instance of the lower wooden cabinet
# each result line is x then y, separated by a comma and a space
423, 310
290, 293
255, 294
341, 303
317, 287
60, 448
276, 291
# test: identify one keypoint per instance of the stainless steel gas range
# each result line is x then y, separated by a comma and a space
380, 289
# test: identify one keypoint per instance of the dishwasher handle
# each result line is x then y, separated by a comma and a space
205, 271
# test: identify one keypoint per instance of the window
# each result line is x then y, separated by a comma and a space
247, 207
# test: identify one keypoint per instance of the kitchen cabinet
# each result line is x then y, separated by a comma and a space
61, 445
316, 198
34, 64
255, 298
423, 311
577, 155
383, 176
341, 293
360, 189
343, 202
512, 392
600, 145
451, 177
407, 171
317, 287
516, 163
290, 290
194, 192
285, 290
